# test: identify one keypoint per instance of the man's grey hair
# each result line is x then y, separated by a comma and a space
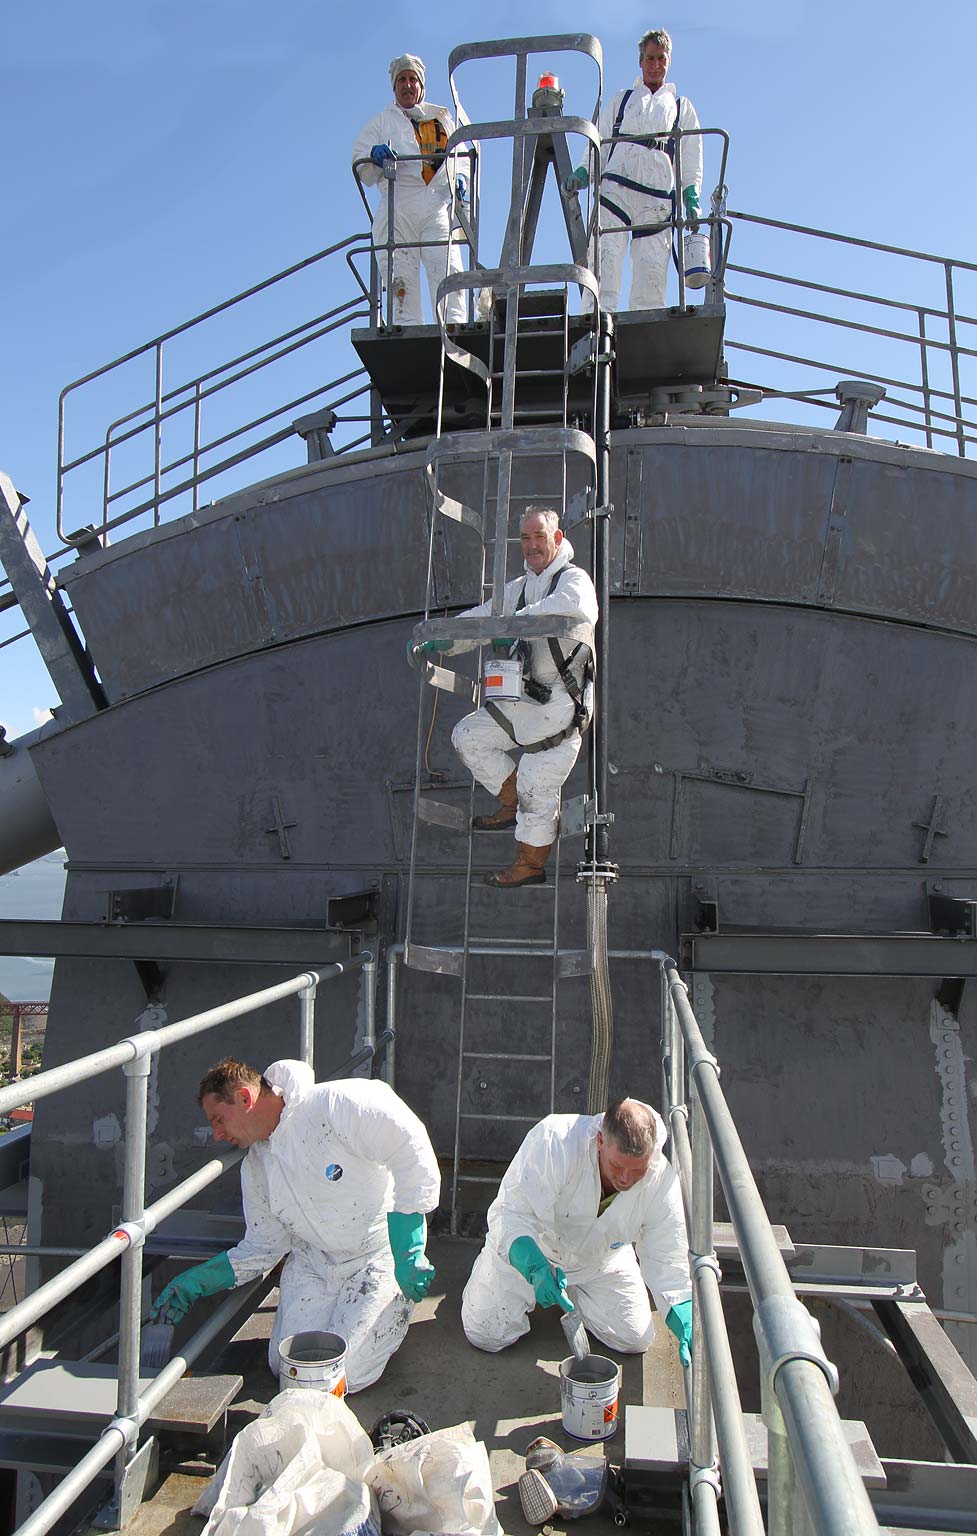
631, 1127
550, 517
656, 35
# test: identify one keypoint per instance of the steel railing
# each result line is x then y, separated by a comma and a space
463, 222
149, 425
933, 411
813, 1481
125, 1242
715, 220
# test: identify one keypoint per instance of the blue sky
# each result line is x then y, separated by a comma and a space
159, 157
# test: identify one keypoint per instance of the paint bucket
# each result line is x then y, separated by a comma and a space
697, 263
588, 1396
313, 1360
503, 679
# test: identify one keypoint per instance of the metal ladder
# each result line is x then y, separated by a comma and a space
507, 1058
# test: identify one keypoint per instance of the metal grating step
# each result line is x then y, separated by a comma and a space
509, 997
502, 1055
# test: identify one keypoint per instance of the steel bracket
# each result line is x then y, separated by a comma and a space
356, 910
785, 1331
144, 903
137, 1482
953, 916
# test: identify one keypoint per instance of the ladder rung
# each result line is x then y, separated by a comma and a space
508, 997
504, 1055
525, 1119
477, 1178
528, 949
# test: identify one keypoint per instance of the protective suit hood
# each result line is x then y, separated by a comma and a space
291, 1080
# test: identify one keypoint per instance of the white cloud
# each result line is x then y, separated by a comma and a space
41, 715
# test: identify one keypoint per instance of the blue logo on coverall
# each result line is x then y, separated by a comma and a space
334, 1172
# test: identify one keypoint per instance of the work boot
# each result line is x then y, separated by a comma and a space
526, 868
504, 819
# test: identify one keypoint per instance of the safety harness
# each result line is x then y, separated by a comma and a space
431, 136
582, 713
666, 146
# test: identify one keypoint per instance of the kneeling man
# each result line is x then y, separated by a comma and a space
588, 1216
336, 1180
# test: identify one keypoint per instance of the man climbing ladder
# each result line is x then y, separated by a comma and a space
547, 722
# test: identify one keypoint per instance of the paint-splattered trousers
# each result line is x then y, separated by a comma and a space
359, 1299
612, 1301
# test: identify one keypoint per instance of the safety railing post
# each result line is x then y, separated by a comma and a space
307, 1020
158, 434
133, 1215
924, 375
702, 1430
679, 218
196, 445
951, 316
368, 1003
389, 1062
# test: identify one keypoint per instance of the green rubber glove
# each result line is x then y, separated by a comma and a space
502, 645
691, 199
426, 647
174, 1302
577, 181
412, 1268
679, 1320
547, 1280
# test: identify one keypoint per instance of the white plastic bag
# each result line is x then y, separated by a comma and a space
299, 1467
438, 1483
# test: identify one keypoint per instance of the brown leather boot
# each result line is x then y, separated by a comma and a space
526, 868
504, 819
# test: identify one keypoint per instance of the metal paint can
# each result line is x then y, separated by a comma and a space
698, 267
503, 679
313, 1360
589, 1391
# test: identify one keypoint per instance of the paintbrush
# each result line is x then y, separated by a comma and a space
155, 1345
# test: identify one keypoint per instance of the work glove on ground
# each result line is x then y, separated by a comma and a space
692, 211
547, 1280
175, 1300
412, 1268
381, 152
679, 1320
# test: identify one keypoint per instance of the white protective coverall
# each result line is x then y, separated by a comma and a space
342, 1155
421, 212
551, 1192
484, 746
637, 184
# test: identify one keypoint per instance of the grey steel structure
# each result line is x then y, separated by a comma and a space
790, 707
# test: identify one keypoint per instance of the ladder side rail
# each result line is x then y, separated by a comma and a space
806, 1440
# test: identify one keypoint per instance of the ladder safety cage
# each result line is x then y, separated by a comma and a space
530, 448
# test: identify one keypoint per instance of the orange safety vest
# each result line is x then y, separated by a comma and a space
432, 136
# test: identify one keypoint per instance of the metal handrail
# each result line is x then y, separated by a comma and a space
961, 428
191, 393
813, 1481
467, 226
126, 1241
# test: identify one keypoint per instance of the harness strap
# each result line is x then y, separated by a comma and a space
666, 193
431, 136
547, 742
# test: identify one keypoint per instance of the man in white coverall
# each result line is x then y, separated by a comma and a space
422, 191
337, 1177
589, 1217
548, 732
638, 180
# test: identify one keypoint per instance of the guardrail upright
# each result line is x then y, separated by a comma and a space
814, 1482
